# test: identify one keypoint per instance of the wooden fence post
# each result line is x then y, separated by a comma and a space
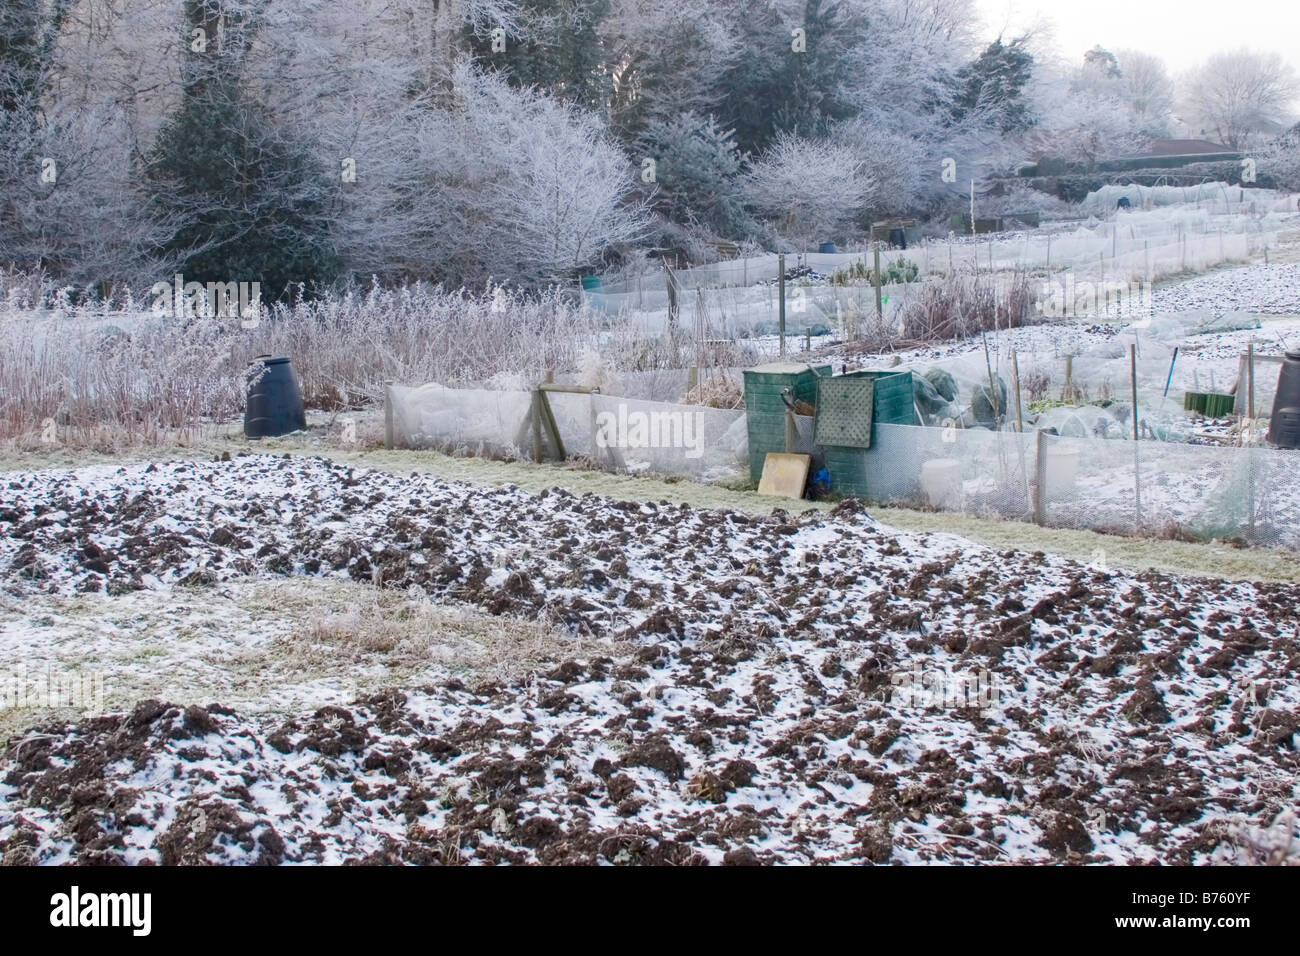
389, 437
537, 425
880, 309
780, 264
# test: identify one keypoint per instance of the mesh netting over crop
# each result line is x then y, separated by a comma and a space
461, 421
708, 444
1197, 491
974, 471
1156, 488
618, 433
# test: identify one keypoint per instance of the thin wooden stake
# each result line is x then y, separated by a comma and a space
389, 437
875, 255
993, 391
1137, 471
780, 264
1250, 405
1015, 374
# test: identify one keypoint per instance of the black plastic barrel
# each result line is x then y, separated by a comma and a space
1284, 426
274, 400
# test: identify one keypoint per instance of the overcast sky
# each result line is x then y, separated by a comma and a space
1181, 32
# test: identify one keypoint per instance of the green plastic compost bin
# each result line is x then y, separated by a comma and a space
842, 411
765, 409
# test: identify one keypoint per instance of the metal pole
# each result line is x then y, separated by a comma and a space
780, 264
1171, 372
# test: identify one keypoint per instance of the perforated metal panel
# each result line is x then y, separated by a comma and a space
844, 409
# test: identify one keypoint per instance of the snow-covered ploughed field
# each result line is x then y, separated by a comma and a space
761, 689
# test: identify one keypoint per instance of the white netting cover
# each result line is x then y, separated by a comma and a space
707, 444
1164, 489
461, 421
973, 471
1168, 489
616, 432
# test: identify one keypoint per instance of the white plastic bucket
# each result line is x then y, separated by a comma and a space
1062, 467
941, 482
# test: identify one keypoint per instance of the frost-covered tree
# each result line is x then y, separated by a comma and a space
250, 194
1083, 112
1279, 160
248, 187
555, 45
994, 86
1086, 128
71, 201
1238, 97
775, 88
559, 195
911, 93
495, 182
665, 58
1148, 90
1102, 63
808, 190
699, 180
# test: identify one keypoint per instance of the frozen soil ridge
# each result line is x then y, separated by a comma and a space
756, 717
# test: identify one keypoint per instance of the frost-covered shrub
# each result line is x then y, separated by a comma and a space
809, 189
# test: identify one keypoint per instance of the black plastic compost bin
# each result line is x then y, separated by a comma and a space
1284, 426
274, 404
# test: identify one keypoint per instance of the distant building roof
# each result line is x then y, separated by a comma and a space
1183, 147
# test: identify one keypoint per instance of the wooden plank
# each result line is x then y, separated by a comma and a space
784, 475
548, 418
576, 389
388, 415
535, 417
